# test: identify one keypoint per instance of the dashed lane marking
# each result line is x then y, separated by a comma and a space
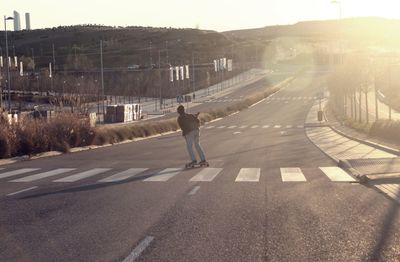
18, 172
164, 175
135, 254
248, 175
206, 175
337, 174
83, 175
55, 172
292, 175
123, 175
22, 191
194, 190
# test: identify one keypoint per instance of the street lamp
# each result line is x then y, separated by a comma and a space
338, 2
7, 63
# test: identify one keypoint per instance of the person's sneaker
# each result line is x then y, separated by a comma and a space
203, 163
191, 164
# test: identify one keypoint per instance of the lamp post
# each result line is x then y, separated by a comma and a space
338, 2
7, 63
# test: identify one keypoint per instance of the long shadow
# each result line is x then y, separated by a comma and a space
90, 187
385, 232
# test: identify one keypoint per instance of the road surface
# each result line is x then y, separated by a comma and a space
268, 195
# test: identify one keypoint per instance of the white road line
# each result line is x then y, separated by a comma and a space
194, 191
139, 249
209, 127
231, 127
123, 175
253, 127
22, 191
17, 172
292, 175
257, 103
248, 175
337, 174
206, 175
289, 126
266, 126
55, 172
277, 126
164, 175
83, 175
268, 102
220, 127
237, 133
242, 127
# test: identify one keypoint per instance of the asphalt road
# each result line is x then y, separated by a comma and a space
213, 218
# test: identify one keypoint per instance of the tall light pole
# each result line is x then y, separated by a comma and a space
7, 63
338, 2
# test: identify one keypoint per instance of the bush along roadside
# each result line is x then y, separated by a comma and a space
65, 131
388, 130
32, 136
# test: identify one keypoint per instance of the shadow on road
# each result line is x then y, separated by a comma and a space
90, 187
384, 233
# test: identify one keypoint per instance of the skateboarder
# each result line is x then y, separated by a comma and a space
190, 125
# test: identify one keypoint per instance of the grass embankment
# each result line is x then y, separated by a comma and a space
32, 136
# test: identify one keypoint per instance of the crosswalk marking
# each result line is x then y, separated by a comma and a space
337, 174
242, 127
292, 175
289, 126
248, 175
209, 127
18, 172
231, 127
206, 175
277, 126
55, 172
266, 126
253, 127
164, 175
123, 175
83, 175
220, 127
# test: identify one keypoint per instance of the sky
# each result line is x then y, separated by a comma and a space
219, 15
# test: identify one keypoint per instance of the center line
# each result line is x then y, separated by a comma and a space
139, 249
194, 190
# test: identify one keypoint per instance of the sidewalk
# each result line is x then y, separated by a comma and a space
369, 159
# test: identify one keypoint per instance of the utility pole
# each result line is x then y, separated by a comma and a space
194, 78
159, 75
102, 75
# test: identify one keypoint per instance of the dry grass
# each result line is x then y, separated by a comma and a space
31, 136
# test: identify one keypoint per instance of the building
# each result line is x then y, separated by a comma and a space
28, 21
17, 21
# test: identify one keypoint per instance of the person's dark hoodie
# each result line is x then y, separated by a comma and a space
188, 123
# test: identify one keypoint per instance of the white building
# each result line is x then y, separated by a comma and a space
28, 21
17, 21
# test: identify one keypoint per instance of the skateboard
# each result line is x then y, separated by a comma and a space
206, 164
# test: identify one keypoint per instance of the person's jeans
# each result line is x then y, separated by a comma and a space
193, 137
